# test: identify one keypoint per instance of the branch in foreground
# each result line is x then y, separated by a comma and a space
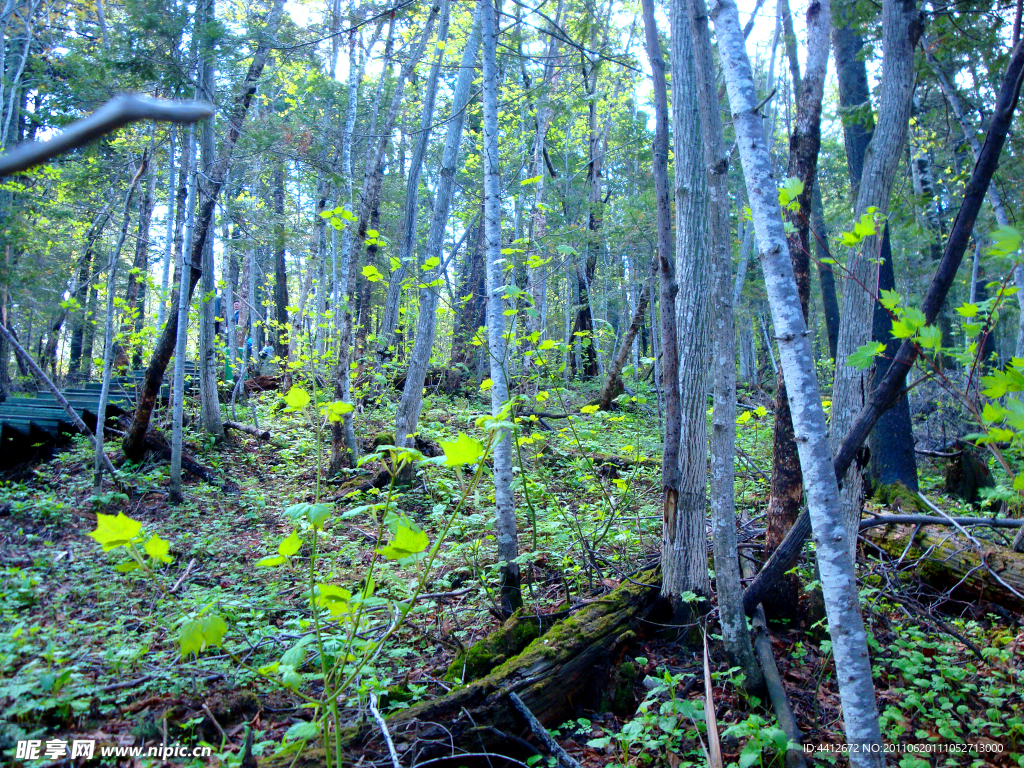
890, 389
116, 113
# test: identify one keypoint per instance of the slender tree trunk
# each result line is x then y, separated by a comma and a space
684, 536
136, 291
280, 267
505, 522
612, 386
901, 26
412, 192
735, 635
805, 140
827, 278
407, 417
161, 312
135, 435
835, 561
100, 458
670, 474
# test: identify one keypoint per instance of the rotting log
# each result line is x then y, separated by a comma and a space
249, 429
950, 562
560, 673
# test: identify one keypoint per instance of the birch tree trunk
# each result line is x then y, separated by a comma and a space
834, 553
735, 635
409, 407
505, 522
209, 403
901, 26
805, 141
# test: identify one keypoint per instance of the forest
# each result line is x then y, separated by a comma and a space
511, 383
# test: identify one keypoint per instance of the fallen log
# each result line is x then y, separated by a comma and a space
262, 383
561, 672
946, 559
261, 434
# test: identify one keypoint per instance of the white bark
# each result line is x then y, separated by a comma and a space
165, 277
505, 522
835, 561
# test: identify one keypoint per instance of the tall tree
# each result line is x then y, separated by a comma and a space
501, 450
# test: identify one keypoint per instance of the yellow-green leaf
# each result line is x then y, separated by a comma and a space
296, 399
113, 531
407, 541
463, 450
158, 549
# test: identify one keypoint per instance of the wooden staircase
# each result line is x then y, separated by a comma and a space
31, 428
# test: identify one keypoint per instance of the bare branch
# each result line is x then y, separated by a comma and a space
116, 113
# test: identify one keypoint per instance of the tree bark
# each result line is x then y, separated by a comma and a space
901, 26
497, 350
804, 143
408, 414
735, 635
835, 561
684, 533
132, 443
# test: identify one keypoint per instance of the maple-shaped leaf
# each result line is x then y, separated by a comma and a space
196, 635
463, 450
296, 399
113, 531
407, 541
158, 549
334, 599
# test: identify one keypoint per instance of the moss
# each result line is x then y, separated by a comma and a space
619, 697
384, 438
498, 647
897, 495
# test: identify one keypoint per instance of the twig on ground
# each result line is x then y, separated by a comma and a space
384, 730
541, 733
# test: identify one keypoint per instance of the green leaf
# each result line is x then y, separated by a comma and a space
196, 635
462, 450
865, 355
113, 531
158, 549
407, 541
315, 514
889, 299
270, 561
334, 599
531, 180
432, 262
336, 410
127, 567
1005, 240
967, 310
289, 545
790, 190
901, 330
296, 399
372, 274
930, 337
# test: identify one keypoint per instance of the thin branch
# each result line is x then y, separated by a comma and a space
116, 113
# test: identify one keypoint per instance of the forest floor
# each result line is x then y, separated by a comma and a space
92, 653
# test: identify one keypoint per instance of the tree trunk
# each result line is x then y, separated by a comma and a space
280, 268
735, 635
136, 433
412, 193
835, 561
684, 533
100, 458
209, 403
135, 293
892, 460
408, 415
805, 140
901, 26
469, 315
501, 451
827, 278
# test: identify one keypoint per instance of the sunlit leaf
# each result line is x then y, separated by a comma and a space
113, 531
